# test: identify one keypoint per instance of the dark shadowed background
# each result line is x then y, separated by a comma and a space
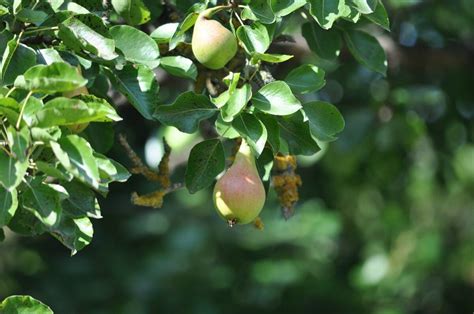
385, 223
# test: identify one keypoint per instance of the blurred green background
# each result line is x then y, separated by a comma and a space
385, 224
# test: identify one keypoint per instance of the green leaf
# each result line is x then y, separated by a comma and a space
136, 46
71, 111
276, 98
8, 205
46, 134
133, 11
50, 79
43, 201
81, 201
17, 58
326, 12
32, 106
186, 112
5, 37
325, 43
179, 66
23, 304
164, 33
253, 130
206, 161
232, 80
306, 78
105, 141
179, 35
265, 164
351, 14
296, 132
9, 108
273, 130
380, 16
325, 120
76, 156
364, 6
271, 58
366, 50
285, 7
140, 87
12, 171
19, 142
254, 38
225, 129
236, 103
110, 170
74, 233
262, 11
25, 223
49, 55
77, 35
36, 17
54, 170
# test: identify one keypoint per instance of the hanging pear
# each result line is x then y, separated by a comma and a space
239, 195
213, 45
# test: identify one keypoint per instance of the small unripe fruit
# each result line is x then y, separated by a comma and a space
213, 45
239, 195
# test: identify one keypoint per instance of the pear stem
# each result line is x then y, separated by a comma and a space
211, 11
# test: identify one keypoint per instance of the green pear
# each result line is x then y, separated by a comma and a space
213, 45
239, 195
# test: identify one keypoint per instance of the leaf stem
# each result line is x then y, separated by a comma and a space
10, 92
40, 29
23, 109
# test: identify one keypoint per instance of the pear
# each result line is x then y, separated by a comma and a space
213, 45
239, 195
77, 128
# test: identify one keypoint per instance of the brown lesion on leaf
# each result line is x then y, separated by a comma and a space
162, 176
286, 182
